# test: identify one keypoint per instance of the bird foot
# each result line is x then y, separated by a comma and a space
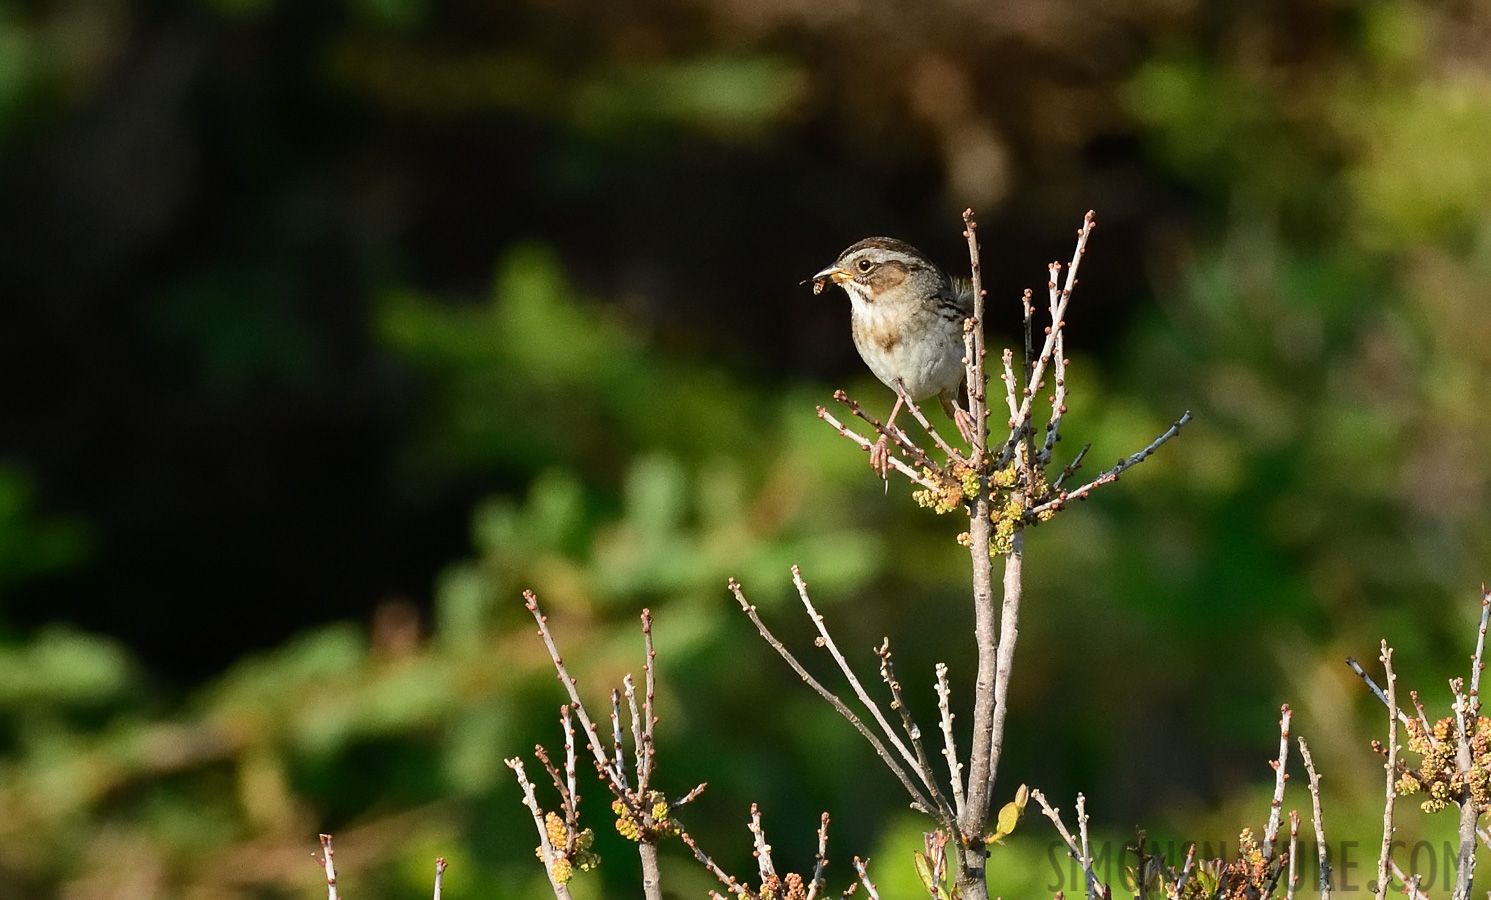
880, 457
966, 425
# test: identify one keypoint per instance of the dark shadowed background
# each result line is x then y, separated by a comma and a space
328, 327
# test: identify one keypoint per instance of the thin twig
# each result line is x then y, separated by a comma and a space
1072, 849
921, 419
1271, 834
689, 797
1071, 468
1011, 385
918, 800
1009, 632
864, 878
978, 381
439, 875
1325, 869
820, 862
1293, 847
1377, 691
546, 850
1465, 855
826, 641
629, 688
728, 880
331, 869
913, 731
1185, 874
865, 444
1391, 766
1082, 831
1110, 476
763, 849
647, 750
1038, 368
950, 749
617, 753
1058, 399
1410, 885
597, 748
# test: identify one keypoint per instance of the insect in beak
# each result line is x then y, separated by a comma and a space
821, 280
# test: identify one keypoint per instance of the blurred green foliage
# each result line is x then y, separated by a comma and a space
1325, 312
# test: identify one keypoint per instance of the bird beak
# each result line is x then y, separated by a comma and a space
834, 273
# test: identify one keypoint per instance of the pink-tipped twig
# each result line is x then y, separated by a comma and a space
1384, 858
331, 869
1293, 847
1271, 834
439, 875
1185, 875
592, 738
763, 850
865, 444
647, 747
820, 862
978, 382
861, 869
728, 880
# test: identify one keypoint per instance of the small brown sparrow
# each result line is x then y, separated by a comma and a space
907, 319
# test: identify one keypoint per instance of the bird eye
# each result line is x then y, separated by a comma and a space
864, 265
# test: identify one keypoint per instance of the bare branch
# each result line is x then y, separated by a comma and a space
1377, 691
1110, 476
1384, 858
1185, 874
865, 444
1271, 834
918, 799
1465, 856
725, 878
921, 419
1038, 368
978, 381
821, 860
864, 878
950, 749
826, 641
331, 869
1293, 848
763, 849
913, 731
1075, 852
546, 850
439, 875
593, 740
1325, 869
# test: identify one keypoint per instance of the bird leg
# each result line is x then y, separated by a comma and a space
880, 450
960, 416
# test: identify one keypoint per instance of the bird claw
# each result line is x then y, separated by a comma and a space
966, 425
880, 457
